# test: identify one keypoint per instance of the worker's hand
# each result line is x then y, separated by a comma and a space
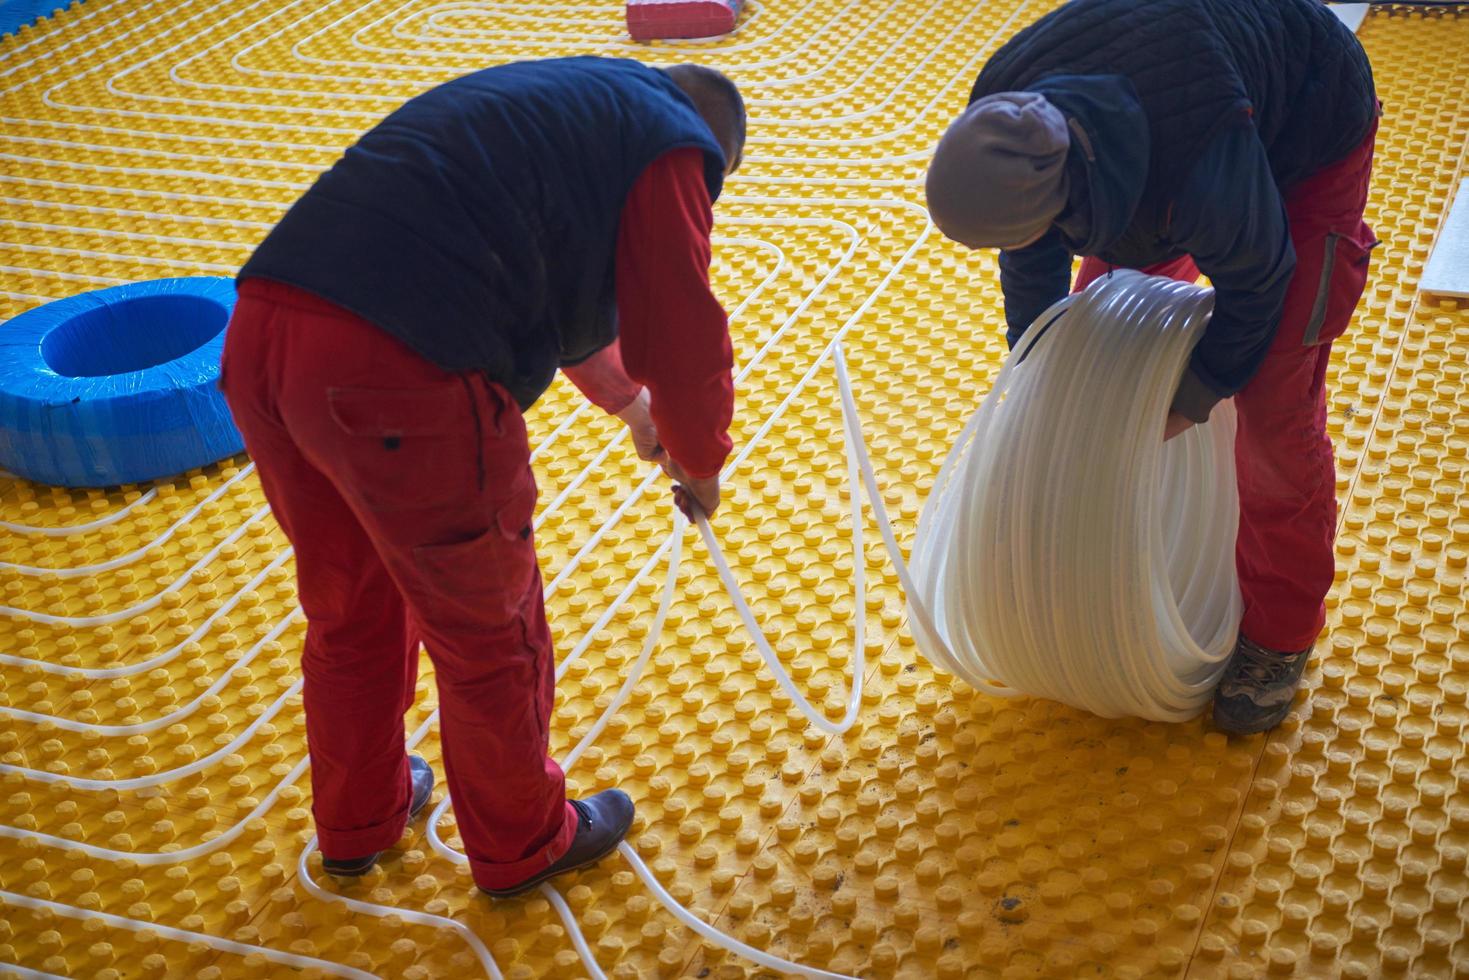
693, 495
644, 434
1176, 423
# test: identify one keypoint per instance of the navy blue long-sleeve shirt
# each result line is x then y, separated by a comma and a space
1189, 119
1230, 217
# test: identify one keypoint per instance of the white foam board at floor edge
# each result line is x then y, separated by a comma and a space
1350, 14
1447, 271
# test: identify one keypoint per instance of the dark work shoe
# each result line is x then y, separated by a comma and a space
602, 822
1257, 688
423, 789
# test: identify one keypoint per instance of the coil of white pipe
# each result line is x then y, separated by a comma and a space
1066, 551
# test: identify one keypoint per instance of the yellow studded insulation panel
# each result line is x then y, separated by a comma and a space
155, 796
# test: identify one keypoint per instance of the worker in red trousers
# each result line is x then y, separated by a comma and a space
1228, 137
389, 335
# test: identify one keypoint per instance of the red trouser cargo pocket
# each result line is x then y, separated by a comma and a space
408, 447
1343, 265
488, 575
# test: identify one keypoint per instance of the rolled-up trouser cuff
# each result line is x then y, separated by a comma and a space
359, 842
497, 876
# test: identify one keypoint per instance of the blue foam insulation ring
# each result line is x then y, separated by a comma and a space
18, 14
117, 385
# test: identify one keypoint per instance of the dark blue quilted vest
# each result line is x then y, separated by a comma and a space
478, 222
1198, 64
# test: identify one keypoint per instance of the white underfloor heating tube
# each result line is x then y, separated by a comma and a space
1066, 551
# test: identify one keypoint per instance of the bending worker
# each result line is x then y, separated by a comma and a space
390, 332
1228, 137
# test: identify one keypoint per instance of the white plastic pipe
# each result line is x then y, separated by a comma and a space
1066, 551
14, 971
859, 587
665, 601
1176, 314
713, 935
428, 919
293, 961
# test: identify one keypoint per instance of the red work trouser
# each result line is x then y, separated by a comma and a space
1287, 477
407, 494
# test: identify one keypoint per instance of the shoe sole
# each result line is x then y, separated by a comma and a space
351, 874
413, 814
1261, 725
548, 874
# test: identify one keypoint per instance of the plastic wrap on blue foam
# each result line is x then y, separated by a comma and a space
15, 14
117, 385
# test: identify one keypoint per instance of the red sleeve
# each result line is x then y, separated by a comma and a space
603, 380
675, 336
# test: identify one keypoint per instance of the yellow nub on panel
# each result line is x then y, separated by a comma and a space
152, 744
